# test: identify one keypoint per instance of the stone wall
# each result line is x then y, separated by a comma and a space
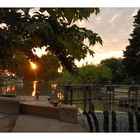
41, 111
9, 105
68, 113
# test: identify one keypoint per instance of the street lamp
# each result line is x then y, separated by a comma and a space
34, 67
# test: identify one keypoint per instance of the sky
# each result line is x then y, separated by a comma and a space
114, 25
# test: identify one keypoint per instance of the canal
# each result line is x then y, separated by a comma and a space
27, 88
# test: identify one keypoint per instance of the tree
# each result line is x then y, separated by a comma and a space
49, 65
117, 69
88, 74
20, 65
66, 78
50, 27
99, 74
132, 52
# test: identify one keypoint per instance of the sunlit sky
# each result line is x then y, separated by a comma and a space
39, 52
114, 26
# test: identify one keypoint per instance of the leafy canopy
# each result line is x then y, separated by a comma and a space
55, 28
99, 74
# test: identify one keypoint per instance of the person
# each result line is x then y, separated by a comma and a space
37, 90
37, 95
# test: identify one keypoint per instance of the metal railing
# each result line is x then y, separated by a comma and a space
112, 96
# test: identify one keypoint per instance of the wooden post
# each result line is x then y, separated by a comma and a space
84, 100
136, 98
112, 92
114, 123
1, 89
130, 120
71, 95
93, 114
66, 88
106, 121
133, 96
37, 95
138, 121
107, 97
89, 98
129, 99
105, 102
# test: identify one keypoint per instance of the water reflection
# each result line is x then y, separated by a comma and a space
34, 88
27, 88
60, 96
8, 89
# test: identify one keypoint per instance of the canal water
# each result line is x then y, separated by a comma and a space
27, 88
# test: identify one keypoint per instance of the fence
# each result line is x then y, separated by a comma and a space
111, 96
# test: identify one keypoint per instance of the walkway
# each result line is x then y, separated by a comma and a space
26, 123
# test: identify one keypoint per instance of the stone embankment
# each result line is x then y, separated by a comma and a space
26, 114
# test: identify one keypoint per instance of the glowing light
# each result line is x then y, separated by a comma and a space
53, 86
33, 65
9, 89
40, 51
34, 88
60, 96
60, 69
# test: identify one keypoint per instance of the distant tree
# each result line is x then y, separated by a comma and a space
99, 74
67, 77
88, 74
117, 69
54, 28
132, 52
